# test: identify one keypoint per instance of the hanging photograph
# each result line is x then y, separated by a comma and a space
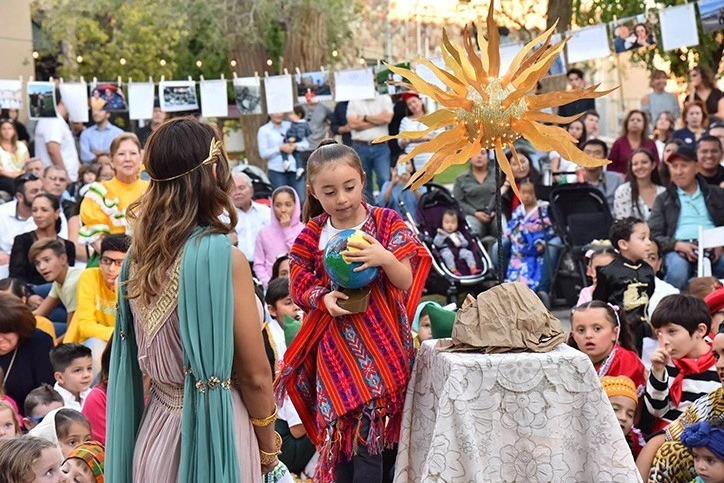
108, 96
634, 33
41, 100
353, 84
678, 27
316, 83
140, 100
384, 76
588, 43
711, 13
279, 94
75, 100
214, 98
11, 94
248, 95
176, 96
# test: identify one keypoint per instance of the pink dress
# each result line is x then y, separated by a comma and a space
160, 355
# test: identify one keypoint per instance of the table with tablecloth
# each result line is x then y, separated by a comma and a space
515, 417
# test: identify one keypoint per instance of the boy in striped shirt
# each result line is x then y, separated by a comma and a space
683, 368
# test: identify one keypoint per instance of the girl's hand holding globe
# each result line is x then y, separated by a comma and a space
367, 251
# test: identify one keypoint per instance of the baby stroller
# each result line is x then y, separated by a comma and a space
430, 209
580, 215
259, 182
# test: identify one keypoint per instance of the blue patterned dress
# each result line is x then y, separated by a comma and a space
527, 231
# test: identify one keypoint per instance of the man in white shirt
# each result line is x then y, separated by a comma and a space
369, 119
252, 216
54, 142
16, 217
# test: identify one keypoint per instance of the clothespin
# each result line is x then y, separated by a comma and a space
95, 81
150, 79
191, 79
299, 72
163, 78
82, 80
286, 72
30, 79
120, 81
321, 68
130, 79
256, 74
21, 79
61, 80
266, 74
236, 77
201, 77
222, 76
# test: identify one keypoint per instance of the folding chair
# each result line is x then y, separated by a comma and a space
711, 238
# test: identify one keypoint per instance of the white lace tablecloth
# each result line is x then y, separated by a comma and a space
518, 417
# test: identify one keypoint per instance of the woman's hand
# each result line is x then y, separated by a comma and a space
370, 254
484, 217
330, 301
285, 220
267, 468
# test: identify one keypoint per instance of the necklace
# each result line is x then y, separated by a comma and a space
606, 363
10, 367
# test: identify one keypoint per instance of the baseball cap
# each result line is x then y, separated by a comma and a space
685, 153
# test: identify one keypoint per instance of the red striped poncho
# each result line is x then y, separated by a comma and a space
339, 370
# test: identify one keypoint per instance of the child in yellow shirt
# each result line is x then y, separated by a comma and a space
95, 315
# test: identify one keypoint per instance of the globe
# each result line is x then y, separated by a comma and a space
342, 271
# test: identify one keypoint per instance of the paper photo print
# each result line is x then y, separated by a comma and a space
634, 33
313, 85
107, 96
41, 100
247, 91
711, 13
176, 96
11, 94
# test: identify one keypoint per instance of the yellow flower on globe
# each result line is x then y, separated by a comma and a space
486, 111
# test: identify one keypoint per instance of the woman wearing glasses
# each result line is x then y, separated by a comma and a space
103, 210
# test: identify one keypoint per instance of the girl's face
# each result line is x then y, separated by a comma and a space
642, 166
663, 123
106, 173
694, 116
338, 187
284, 269
43, 213
576, 129
8, 430
414, 104
594, 334
625, 409
7, 131
669, 149
75, 470
424, 328
283, 206
77, 433
521, 170
89, 177
527, 194
709, 467
47, 468
635, 122
127, 159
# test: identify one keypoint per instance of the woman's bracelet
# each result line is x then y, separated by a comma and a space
269, 458
262, 423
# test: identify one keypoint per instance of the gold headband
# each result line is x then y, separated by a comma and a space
214, 151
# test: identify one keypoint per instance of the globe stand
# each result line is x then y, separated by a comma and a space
358, 300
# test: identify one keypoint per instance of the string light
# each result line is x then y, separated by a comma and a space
269, 62
335, 53
199, 64
123, 61
362, 61
79, 59
35, 54
162, 62
233, 63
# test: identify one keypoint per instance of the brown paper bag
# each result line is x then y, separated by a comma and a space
506, 318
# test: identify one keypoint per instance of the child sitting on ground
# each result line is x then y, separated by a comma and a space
683, 368
705, 441
624, 399
27, 458
528, 229
86, 463
628, 281
39, 402
73, 371
96, 403
279, 304
449, 237
421, 327
9, 423
596, 331
66, 428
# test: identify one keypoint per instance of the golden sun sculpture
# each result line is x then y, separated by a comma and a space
486, 111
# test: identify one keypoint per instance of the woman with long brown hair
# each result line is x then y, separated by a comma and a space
702, 88
633, 136
184, 322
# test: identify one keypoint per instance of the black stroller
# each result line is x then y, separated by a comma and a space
425, 223
580, 214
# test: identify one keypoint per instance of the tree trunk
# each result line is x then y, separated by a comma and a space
306, 52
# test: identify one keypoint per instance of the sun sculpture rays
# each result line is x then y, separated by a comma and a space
482, 110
